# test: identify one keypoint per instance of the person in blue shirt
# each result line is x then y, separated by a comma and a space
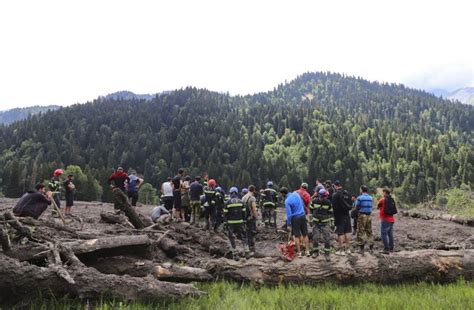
364, 221
296, 220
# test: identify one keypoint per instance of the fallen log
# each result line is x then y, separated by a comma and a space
429, 265
124, 265
114, 218
23, 281
444, 217
121, 203
35, 251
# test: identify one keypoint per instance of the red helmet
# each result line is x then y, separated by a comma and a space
211, 183
58, 172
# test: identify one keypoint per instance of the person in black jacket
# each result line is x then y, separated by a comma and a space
33, 203
342, 219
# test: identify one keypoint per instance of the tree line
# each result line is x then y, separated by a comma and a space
319, 125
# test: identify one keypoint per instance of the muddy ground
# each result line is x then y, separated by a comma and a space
410, 233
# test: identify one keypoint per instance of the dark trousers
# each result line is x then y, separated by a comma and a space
168, 202
57, 200
236, 230
251, 226
386, 231
134, 197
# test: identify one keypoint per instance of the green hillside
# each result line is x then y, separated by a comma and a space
320, 124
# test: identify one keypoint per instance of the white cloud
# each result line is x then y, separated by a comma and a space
59, 52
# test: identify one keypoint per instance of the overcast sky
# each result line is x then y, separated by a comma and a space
65, 52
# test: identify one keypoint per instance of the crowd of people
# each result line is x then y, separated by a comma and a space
328, 210
315, 217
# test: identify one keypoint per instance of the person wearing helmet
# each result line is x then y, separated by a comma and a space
235, 215
244, 191
303, 192
322, 219
55, 187
210, 204
268, 200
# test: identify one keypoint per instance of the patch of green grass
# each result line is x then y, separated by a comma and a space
225, 295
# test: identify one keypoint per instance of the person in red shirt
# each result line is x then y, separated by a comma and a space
387, 221
303, 192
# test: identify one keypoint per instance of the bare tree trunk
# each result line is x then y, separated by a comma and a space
23, 281
430, 265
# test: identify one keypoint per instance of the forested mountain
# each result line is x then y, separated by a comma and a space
13, 115
320, 124
128, 95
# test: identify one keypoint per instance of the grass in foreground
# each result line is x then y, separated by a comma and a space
225, 295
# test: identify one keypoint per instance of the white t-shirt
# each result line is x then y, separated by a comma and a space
167, 189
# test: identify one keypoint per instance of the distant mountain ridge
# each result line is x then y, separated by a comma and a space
128, 95
464, 95
10, 116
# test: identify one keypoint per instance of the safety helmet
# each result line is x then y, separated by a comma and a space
322, 192
269, 184
245, 190
219, 189
211, 182
304, 185
233, 190
58, 172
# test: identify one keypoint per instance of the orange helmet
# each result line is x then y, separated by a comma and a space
211, 183
58, 172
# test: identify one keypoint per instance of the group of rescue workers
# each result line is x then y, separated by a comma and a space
329, 209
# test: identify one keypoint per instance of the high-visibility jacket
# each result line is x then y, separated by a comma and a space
234, 211
321, 211
210, 195
269, 198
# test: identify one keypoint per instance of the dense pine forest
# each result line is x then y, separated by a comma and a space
319, 125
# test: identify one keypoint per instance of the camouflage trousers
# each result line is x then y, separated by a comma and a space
322, 234
364, 230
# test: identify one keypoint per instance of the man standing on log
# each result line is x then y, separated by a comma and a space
195, 192
364, 222
167, 194
55, 187
117, 181
133, 187
69, 189
234, 213
341, 202
322, 218
386, 221
34, 203
269, 200
250, 204
296, 219
177, 182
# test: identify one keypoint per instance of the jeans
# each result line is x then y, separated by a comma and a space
386, 230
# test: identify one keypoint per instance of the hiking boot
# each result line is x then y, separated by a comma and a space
327, 257
348, 252
300, 255
385, 251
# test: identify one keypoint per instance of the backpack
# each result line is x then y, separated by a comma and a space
389, 207
347, 200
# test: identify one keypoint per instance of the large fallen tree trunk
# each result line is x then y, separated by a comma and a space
23, 281
121, 265
444, 217
431, 265
34, 251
